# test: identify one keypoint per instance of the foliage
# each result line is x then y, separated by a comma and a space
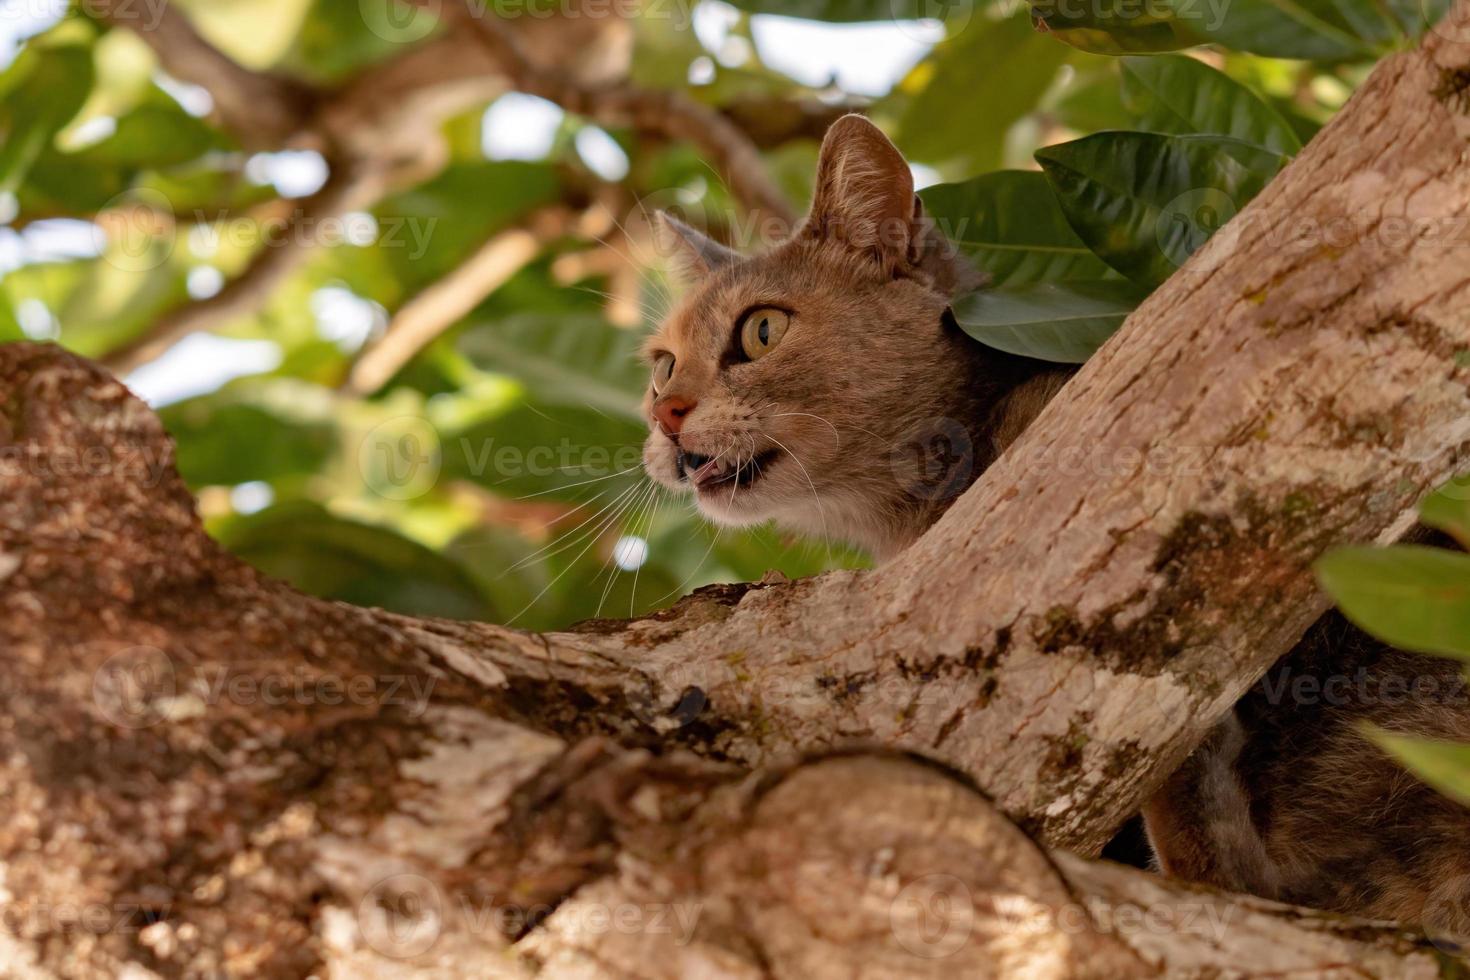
496, 474
1416, 598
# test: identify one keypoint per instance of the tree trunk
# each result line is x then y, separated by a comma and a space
207, 773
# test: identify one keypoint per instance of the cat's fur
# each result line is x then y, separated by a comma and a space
1286, 799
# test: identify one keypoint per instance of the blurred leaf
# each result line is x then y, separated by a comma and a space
1448, 510
1176, 94
579, 361
1411, 596
52, 85
1052, 321
550, 452
9, 325
1091, 99
979, 83
251, 431
1443, 765
1010, 224
326, 556
1145, 202
153, 136
1113, 28
428, 231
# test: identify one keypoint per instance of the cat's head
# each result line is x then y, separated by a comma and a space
785, 385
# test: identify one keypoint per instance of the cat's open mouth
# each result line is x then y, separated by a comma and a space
708, 473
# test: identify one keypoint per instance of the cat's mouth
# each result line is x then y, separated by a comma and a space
709, 473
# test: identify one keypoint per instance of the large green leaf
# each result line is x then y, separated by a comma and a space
1176, 94
1411, 596
579, 361
1443, 765
1010, 225
1323, 30
363, 564
1145, 202
53, 84
1063, 322
958, 116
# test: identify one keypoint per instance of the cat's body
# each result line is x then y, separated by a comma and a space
794, 387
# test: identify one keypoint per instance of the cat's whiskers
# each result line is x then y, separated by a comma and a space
541, 553
592, 540
647, 538
583, 483
611, 566
821, 512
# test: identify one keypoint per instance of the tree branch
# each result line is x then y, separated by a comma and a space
249, 781
669, 113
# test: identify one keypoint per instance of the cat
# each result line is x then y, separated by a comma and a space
823, 385
811, 385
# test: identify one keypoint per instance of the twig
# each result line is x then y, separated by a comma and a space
667, 112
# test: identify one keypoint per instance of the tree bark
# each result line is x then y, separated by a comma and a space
230, 777
209, 774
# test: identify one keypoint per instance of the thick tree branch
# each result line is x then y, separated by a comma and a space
206, 773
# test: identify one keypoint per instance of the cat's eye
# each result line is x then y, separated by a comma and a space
762, 330
663, 370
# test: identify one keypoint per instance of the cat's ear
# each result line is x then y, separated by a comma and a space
698, 254
865, 194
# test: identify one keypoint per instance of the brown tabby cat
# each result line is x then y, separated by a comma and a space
787, 387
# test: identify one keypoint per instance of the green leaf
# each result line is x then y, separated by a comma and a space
1010, 225
1063, 322
55, 84
957, 117
1448, 509
363, 564
1145, 202
1177, 94
550, 452
1114, 28
1443, 765
1320, 30
153, 136
579, 361
428, 231
1412, 596
252, 430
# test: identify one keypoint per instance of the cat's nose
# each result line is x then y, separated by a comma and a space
670, 412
